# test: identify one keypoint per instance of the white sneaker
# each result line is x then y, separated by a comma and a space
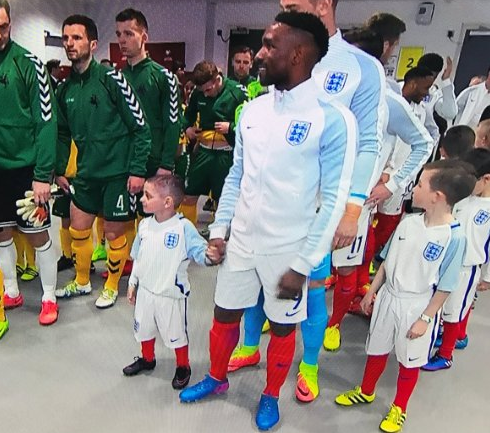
72, 288
106, 299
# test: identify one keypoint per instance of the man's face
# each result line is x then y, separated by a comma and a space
4, 29
242, 63
300, 6
211, 88
388, 49
273, 59
76, 44
131, 38
419, 88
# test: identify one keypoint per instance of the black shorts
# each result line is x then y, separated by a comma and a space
13, 184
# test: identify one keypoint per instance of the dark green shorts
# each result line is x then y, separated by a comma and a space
208, 171
109, 198
61, 206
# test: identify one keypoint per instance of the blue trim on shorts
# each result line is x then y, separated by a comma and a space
465, 299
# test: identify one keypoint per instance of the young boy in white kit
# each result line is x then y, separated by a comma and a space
473, 213
425, 251
163, 246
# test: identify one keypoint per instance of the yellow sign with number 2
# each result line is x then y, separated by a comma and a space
408, 59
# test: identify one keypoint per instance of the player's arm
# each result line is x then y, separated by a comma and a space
64, 138
368, 106
132, 115
231, 191
448, 282
170, 103
446, 106
43, 112
190, 114
462, 100
408, 128
337, 156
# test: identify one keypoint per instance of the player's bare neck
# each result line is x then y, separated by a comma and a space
81, 66
164, 215
438, 215
133, 61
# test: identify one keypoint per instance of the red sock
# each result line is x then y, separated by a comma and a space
344, 293
375, 365
363, 270
280, 353
182, 356
407, 379
451, 331
463, 325
384, 229
148, 350
223, 339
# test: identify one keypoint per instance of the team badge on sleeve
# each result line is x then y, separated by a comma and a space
432, 251
335, 82
171, 240
297, 132
482, 217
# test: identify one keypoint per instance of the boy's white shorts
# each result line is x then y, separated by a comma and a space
162, 315
239, 283
459, 302
392, 318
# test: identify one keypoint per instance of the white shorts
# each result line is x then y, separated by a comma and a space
459, 302
353, 255
162, 315
239, 288
394, 205
392, 318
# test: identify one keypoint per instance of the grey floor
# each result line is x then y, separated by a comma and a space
67, 378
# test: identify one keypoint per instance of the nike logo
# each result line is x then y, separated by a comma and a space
292, 314
446, 314
413, 359
173, 341
250, 127
351, 257
400, 238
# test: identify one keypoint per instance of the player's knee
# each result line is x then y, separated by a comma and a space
37, 240
281, 329
113, 229
223, 315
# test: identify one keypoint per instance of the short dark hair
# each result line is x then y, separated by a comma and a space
203, 72
486, 114
454, 178
432, 61
388, 26
458, 140
417, 72
4, 4
83, 20
308, 23
170, 184
480, 161
242, 49
132, 14
367, 40
52, 64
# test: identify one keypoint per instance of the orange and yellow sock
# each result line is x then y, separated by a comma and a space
19, 248
116, 257
99, 228
65, 241
82, 247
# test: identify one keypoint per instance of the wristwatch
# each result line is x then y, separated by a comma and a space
425, 318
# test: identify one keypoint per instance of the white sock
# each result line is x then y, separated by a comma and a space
8, 257
47, 261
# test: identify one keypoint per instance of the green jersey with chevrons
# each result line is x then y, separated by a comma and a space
27, 114
100, 112
158, 92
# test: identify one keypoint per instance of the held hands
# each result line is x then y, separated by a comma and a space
131, 295
291, 285
222, 127
216, 251
418, 329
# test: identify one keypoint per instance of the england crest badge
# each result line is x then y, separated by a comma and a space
432, 251
482, 217
335, 82
297, 132
171, 240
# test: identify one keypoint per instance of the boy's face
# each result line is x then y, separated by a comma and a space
153, 201
423, 194
481, 137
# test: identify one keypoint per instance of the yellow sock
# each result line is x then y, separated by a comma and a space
2, 310
81, 246
116, 257
130, 233
30, 253
99, 228
190, 212
65, 241
19, 247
